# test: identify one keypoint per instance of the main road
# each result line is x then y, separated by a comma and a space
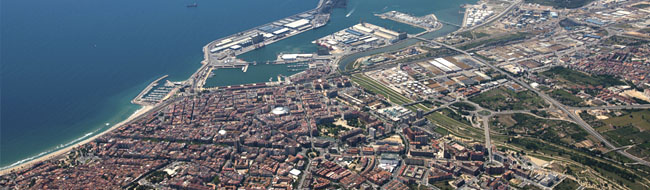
555, 103
622, 107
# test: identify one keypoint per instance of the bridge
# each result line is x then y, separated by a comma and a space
412, 103
619, 148
450, 23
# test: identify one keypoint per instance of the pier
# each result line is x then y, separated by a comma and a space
428, 22
222, 52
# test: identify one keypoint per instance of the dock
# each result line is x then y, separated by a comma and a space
428, 22
222, 52
226, 57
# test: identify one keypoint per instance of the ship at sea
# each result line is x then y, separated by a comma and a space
192, 5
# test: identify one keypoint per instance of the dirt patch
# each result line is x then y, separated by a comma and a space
537, 161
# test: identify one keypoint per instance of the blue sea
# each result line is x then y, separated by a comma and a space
69, 68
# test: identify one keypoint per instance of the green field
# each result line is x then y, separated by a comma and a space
448, 124
567, 184
630, 128
571, 78
392, 96
639, 119
443, 185
629, 135
607, 169
622, 40
464, 106
566, 98
454, 115
494, 40
473, 35
555, 131
457, 128
505, 99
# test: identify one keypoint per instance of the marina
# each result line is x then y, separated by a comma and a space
156, 92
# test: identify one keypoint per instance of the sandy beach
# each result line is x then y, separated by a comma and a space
140, 112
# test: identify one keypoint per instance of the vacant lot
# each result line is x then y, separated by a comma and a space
567, 184
566, 98
571, 77
561, 132
639, 119
505, 99
499, 40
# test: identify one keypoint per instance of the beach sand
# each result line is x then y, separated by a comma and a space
55, 154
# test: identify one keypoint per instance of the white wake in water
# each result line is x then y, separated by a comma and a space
350, 13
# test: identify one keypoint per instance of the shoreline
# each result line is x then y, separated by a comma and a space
145, 109
26, 165
205, 65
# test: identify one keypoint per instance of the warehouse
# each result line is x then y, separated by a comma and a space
354, 32
269, 28
297, 24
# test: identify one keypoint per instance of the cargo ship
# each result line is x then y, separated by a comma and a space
192, 5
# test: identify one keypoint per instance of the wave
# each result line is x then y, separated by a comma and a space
77, 139
62, 146
25, 160
59, 147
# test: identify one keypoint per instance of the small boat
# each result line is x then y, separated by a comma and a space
192, 5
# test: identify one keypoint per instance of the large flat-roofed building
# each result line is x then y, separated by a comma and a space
448, 64
281, 31
440, 66
270, 28
297, 24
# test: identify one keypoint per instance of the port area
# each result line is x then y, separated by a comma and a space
223, 52
157, 91
360, 37
429, 22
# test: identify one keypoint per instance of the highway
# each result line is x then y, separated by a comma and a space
555, 103
488, 143
622, 107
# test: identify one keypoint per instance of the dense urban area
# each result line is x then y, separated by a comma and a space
527, 94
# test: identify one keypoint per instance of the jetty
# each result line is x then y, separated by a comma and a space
428, 22
222, 53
